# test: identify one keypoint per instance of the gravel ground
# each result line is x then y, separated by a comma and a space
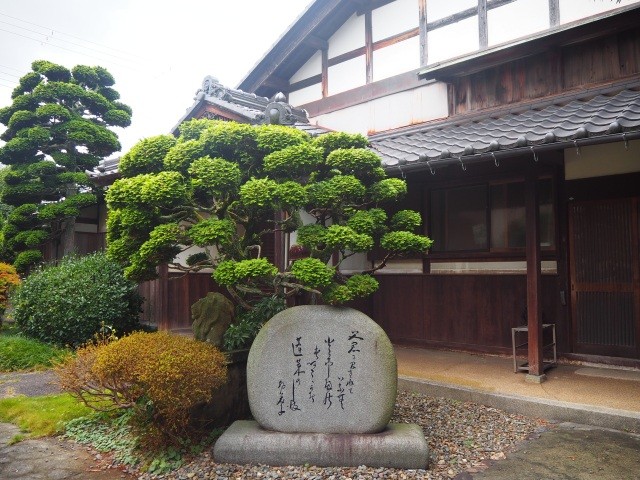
463, 437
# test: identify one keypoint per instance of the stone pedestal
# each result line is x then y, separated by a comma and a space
322, 384
399, 445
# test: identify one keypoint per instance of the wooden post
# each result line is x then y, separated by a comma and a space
534, 314
424, 53
483, 29
368, 40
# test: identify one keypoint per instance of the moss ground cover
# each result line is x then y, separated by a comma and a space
18, 353
41, 416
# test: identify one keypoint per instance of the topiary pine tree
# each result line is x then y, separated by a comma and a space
223, 186
56, 130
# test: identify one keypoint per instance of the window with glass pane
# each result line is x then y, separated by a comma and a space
459, 219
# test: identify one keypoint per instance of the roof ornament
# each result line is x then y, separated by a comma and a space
464, 167
575, 144
495, 160
535, 155
433, 172
626, 142
279, 112
211, 87
404, 177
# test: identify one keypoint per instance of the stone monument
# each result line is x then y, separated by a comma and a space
322, 385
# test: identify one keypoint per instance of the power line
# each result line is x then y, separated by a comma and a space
9, 74
137, 57
64, 48
47, 39
11, 68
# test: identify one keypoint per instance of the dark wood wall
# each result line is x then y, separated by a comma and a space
168, 305
472, 312
562, 70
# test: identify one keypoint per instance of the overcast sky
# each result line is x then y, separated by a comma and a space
158, 51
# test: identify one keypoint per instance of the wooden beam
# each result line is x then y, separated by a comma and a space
464, 14
316, 42
307, 82
554, 13
424, 51
534, 276
277, 83
325, 72
368, 45
483, 30
400, 37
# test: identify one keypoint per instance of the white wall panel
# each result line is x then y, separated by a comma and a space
453, 40
395, 59
349, 37
602, 160
409, 108
347, 75
394, 18
352, 119
517, 19
398, 110
306, 95
309, 69
571, 10
437, 9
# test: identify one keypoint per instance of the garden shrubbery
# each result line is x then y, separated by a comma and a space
9, 279
158, 376
68, 303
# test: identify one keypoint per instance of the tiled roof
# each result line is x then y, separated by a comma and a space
554, 123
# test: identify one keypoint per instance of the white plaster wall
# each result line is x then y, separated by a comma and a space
347, 75
309, 69
453, 40
549, 267
352, 119
505, 23
408, 108
394, 18
437, 9
393, 111
396, 59
306, 95
402, 266
348, 37
355, 264
602, 160
571, 10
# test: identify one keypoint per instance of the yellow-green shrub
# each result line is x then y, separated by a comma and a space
8, 279
158, 375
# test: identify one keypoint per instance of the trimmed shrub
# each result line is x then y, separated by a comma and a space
159, 376
9, 279
67, 304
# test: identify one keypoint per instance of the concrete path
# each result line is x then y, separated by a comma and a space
46, 458
570, 452
597, 396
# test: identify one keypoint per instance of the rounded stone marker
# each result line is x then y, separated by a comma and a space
322, 369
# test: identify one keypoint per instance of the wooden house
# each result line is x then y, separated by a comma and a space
517, 126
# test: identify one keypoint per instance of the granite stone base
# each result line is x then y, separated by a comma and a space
398, 446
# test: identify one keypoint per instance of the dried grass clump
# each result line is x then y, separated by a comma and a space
158, 375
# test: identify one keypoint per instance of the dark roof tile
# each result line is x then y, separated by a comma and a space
556, 122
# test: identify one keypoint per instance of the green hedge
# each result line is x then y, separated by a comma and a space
67, 304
